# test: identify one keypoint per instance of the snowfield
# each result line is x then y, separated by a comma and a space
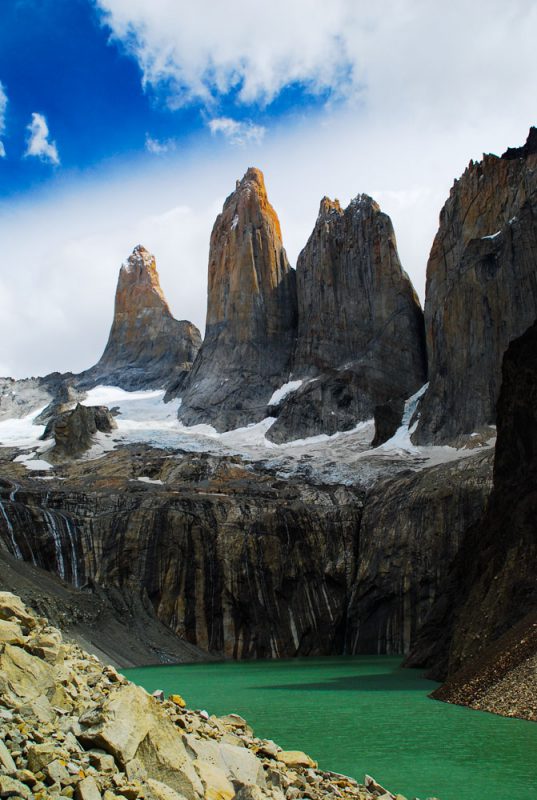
143, 417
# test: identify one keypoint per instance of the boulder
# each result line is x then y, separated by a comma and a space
74, 430
128, 726
12, 608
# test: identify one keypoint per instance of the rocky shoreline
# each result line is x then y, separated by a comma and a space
75, 728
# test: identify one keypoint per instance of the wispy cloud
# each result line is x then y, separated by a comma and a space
38, 143
237, 132
3, 106
159, 147
392, 54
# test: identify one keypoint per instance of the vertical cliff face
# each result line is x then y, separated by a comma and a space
491, 585
232, 559
412, 527
481, 290
251, 314
146, 347
360, 335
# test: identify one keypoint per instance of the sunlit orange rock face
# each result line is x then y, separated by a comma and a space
251, 313
481, 290
146, 346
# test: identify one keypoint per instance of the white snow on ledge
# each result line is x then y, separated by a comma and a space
283, 391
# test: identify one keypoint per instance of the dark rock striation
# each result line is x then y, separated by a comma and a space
232, 558
146, 347
251, 314
412, 526
481, 290
360, 340
492, 583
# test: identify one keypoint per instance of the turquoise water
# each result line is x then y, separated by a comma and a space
365, 714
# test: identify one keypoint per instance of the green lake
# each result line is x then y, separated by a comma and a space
365, 714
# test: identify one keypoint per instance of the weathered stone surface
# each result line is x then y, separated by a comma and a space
10, 787
13, 609
146, 346
6, 761
26, 675
492, 585
481, 291
295, 758
41, 755
411, 529
251, 314
87, 789
216, 785
357, 313
128, 726
160, 791
10, 632
74, 431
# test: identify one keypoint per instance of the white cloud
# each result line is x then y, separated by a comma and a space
236, 132
158, 147
256, 49
438, 85
38, 143
3, 107
397, 55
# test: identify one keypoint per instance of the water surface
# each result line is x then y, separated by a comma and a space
365, 714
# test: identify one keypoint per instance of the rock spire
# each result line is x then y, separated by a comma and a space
146, 346
251, 314
481, 290
360, 339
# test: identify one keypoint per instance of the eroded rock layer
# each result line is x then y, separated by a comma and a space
360, 339
147, 347
481, 290
251, 314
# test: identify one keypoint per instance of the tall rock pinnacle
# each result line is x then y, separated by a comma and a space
251, 314
481, 290
360, 325
146, 347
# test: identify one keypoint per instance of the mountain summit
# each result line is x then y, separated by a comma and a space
251, 313
146, 345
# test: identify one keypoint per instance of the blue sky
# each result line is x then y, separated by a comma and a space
58, 59
128, 121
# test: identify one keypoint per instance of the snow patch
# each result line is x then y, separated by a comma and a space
235, 222
401, 439
32, 463
145, 479
22, 432
284, 391
492, 235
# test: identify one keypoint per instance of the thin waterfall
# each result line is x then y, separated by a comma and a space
50, 517
71, 535
15, 547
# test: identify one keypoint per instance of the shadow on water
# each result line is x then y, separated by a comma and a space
385, 682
